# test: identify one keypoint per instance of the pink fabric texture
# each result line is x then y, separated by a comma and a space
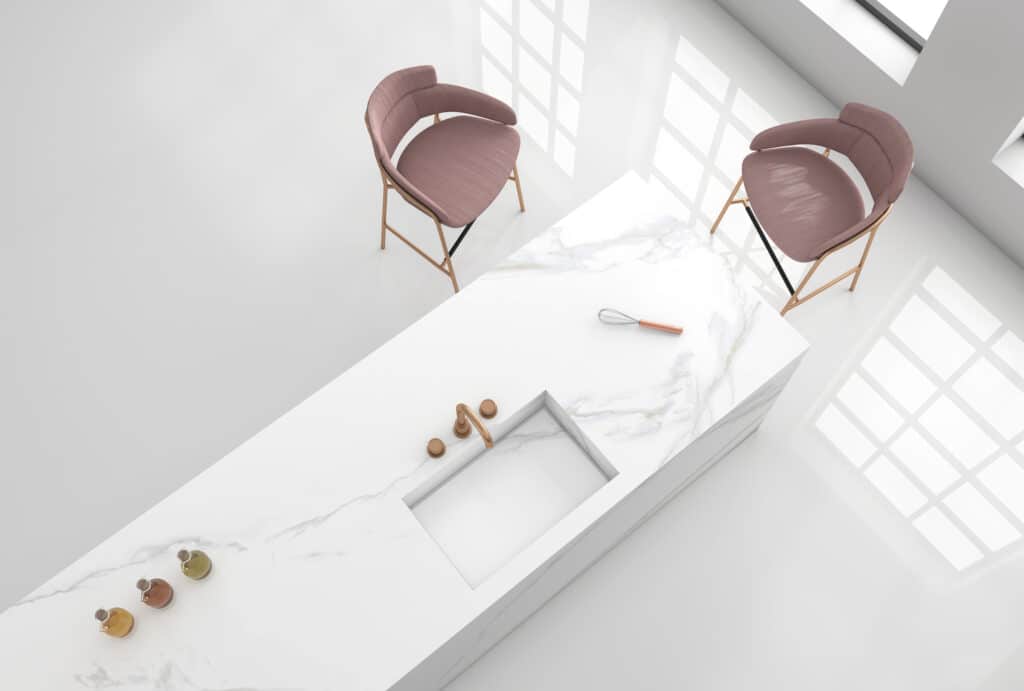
454, 168
804, 203
449, 98
802, 197
462, 163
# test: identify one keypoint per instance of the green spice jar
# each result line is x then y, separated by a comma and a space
195, 564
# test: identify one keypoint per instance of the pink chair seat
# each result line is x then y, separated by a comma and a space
460, 164
801, 199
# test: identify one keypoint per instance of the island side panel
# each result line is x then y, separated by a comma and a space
453, 657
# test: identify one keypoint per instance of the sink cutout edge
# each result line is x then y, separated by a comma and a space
499, 431
481, 532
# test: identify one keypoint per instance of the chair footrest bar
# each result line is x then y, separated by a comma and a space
437, 265
826, 286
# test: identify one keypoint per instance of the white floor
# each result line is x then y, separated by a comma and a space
194, 251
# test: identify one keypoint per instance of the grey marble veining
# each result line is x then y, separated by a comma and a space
323, 576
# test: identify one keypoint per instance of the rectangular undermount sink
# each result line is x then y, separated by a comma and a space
484, 508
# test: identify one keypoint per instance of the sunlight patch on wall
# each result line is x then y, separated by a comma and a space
532, 54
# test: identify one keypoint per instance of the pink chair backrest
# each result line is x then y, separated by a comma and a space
392, 109
873, 140
883, 155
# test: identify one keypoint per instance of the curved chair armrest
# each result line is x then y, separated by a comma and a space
448, 98
827, 132
877, 215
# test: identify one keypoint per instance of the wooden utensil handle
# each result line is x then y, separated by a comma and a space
668, 328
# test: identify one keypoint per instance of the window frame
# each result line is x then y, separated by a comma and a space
879, 11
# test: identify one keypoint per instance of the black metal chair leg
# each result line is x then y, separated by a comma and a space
458, 240
767, 246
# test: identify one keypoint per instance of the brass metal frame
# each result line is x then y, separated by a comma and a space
519, 187
795, 297
445, 265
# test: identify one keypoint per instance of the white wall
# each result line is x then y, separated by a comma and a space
960, 102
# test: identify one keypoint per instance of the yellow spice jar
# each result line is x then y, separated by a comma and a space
115, 621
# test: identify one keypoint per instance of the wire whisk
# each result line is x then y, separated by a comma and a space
616, 318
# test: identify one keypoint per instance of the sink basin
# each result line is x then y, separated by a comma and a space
486, 506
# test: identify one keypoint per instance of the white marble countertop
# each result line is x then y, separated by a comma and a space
323, 578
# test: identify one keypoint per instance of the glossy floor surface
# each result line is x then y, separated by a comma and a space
194, 250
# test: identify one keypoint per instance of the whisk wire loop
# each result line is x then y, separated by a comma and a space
615, 317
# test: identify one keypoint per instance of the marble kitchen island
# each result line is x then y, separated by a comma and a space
324, 575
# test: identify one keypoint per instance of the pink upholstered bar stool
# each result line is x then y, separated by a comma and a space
452, 170
806, 204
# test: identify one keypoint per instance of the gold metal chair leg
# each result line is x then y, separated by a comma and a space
519, 187
863, 258
445, 265
794, 299
721, 214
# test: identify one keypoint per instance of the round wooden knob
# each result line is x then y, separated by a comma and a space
488, 408
435, 448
